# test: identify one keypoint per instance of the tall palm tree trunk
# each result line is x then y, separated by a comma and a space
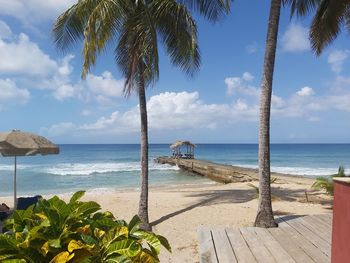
143, 205
264, 216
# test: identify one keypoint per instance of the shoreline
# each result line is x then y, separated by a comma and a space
280, 176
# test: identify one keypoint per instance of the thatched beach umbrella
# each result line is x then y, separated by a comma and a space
17, 143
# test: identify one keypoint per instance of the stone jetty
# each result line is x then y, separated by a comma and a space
218, 172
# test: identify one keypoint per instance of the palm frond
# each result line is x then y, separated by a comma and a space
137, 50
178, 32
211, 9
103, 23
301, 7
68, 29
327, 23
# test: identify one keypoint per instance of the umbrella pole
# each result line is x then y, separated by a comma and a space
14, 185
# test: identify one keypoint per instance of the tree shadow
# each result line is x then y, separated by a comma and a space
211, 198
208, 198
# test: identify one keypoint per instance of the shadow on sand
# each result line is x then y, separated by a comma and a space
208, 198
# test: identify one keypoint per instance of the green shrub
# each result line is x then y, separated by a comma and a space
57, 232
326, 182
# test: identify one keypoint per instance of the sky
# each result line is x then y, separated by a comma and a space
41, 90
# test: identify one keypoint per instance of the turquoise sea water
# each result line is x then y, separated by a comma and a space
103, 167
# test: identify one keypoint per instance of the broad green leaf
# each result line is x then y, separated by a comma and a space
76, 245
7, 243
82, 256
89, 239
86, 208
115, 234
146, 256
121, 222
76, 196
56, 243
129, 248
119, 259
164, 242
20, 216
6, 256
134, 224
105, 223
45, 248
14, 261
62, 257
60, 206
150, 238
84, 230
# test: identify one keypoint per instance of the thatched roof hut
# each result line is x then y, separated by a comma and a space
176, 148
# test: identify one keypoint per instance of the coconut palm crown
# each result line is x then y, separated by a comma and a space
134, 28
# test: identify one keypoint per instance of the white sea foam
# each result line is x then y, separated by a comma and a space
91, 168
306, 171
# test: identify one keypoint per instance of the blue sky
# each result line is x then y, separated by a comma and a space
41, 90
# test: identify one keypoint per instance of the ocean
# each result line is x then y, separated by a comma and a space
113, 167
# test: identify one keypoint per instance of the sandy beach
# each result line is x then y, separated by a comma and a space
176, 212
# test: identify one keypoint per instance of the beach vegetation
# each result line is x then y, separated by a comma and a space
57, 231
134, 29
326, 182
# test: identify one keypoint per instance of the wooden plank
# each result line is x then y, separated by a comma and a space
309, 235
318, 218
273, 246
206, 246
240, 247
224, 251
260, 252
317, 229
318, 224
326, 218
290, 246
309, 248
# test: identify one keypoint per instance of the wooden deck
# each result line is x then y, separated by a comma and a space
297, 239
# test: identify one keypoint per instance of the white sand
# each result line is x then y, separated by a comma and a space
177, 212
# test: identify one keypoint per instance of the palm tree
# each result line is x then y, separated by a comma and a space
135, 27
264, 216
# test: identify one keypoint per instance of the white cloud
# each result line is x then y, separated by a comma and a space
251, 48
305, 92
59, 129
64, 92
34, 11
240, 85
169, 111
5, 31
336, 59
24, 57
247, 77
10, 92
295, 39
277, 102
105, 85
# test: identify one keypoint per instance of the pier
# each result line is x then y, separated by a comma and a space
218, 172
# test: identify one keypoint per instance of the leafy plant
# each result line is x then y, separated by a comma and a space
57, 232
326, 182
